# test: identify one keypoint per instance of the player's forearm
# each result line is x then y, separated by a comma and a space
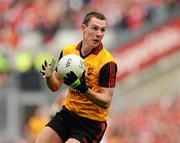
99, 99
53, 82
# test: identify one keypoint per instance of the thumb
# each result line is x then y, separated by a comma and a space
83, 77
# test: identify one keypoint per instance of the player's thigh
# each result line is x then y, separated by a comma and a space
48, 135
72, 140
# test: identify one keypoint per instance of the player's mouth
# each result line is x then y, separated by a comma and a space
96, 40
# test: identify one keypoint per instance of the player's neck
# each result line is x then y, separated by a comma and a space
86, 49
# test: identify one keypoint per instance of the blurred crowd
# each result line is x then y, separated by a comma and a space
43, 19
35, 124
153, 123
19, 17
156, 122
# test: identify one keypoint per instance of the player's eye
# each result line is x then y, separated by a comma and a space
103, 30
94, 28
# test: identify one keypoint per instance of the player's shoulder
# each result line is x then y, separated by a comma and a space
70, 48
107, 55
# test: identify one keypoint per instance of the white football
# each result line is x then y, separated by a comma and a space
71, 62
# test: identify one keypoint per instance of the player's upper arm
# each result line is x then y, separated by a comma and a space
107, 81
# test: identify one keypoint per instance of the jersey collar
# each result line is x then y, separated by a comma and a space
95, 51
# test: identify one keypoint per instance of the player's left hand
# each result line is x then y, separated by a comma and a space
48, 69
77, 83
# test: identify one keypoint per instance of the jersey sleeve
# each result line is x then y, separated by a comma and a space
107, 77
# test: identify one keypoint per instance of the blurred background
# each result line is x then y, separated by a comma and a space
144, 38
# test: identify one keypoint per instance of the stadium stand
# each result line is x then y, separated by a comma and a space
146, 102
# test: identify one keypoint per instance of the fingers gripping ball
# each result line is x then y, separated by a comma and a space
71, 62
77, 83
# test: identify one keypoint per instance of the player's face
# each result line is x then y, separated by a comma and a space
94, 32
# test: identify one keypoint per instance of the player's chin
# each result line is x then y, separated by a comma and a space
95, 44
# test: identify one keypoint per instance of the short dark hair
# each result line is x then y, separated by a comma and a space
96, 14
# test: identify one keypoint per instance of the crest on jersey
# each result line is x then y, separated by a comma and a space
90, 71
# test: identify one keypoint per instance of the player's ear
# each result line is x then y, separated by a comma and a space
83, 26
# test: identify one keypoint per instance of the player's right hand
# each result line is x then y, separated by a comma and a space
48, 69
77, 83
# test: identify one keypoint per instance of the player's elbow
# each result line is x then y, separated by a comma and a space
53, 88
104, 105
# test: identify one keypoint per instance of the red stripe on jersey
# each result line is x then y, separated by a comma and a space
95, 51
99, 135
112, 75
84, 140
98, 49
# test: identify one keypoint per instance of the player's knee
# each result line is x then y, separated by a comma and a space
42, 138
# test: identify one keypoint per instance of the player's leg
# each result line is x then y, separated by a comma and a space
83, 130
48, 135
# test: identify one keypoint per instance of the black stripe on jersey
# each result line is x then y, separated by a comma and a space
107, 77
